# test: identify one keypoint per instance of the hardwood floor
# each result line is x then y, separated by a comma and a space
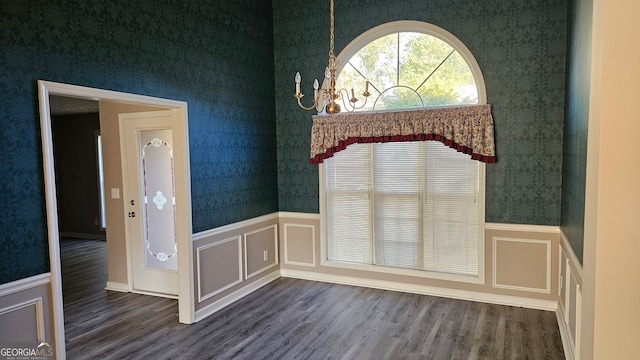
292, 319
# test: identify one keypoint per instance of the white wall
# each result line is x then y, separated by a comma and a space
610, 322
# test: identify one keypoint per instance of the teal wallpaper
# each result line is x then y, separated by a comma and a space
520, 46
576, 123
215, 55
234, 62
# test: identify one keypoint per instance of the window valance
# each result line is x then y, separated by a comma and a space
468, 129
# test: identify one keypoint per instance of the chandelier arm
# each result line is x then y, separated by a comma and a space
348, 104
315, 102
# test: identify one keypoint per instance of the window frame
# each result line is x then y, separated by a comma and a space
420, 27
101, 185
351, 49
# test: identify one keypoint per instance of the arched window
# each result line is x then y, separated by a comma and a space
411, 64
415, 205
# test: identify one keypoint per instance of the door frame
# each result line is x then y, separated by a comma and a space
186, 299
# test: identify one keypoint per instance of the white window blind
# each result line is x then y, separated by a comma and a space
349, 200
409, 205
397, 204
452, 209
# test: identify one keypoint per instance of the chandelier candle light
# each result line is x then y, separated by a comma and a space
325, 97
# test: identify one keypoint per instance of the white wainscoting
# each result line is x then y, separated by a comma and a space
516, 259
237, 227
570, 294
23, 302
229, 262
523, 228
540, 297
272, 232
524, 289
201, 253
35, 306
290, 257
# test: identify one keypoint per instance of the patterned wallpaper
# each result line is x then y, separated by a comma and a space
521, 48
576, 124
217, 56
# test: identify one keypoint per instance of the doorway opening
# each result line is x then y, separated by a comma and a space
182, 192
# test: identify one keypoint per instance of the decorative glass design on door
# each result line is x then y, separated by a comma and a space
158, 196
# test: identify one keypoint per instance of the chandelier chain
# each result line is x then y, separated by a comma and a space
331, 36
325, 97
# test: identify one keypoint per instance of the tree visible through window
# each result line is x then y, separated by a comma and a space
414, 205
410, 70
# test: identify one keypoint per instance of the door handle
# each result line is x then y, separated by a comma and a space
132, 214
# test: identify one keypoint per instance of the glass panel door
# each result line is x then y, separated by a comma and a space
158, 197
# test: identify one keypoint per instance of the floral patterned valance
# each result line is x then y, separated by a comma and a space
468, 129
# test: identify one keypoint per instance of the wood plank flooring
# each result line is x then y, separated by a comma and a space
292, 319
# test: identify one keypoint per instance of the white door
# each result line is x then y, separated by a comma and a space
149, 195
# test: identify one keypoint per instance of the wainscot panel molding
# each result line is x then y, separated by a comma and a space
230, 261
27, 302
535, 280
530, 303
260, 250
30, 310
567, 250
297, 239
518, 252
570, 298
300, 238
215, 265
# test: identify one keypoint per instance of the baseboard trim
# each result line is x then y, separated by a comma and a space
564, 335
75, 235
150, 293
424, 290
235, 296
24, 284
234, 226
117, 286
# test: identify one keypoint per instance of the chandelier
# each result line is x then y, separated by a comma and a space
324, 98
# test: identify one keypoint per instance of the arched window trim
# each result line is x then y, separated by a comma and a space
419, 27
469, 131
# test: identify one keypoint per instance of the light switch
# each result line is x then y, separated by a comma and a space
115, 193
